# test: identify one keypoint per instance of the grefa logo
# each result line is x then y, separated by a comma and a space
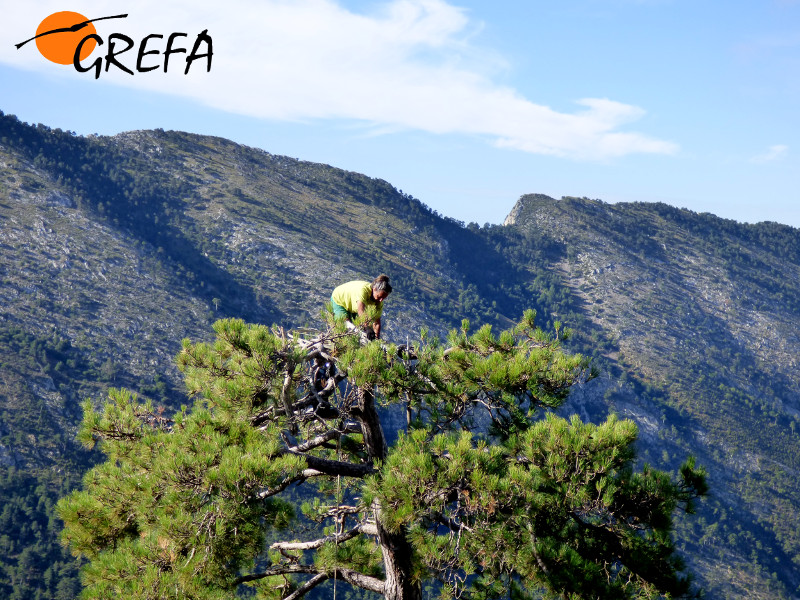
70, 38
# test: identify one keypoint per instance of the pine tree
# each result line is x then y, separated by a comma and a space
280, 476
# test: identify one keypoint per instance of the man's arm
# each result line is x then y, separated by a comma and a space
376, 327
376, 324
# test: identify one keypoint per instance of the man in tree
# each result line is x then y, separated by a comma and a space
201, 504
359, 298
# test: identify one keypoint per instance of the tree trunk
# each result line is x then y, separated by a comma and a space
397, 562
396, 549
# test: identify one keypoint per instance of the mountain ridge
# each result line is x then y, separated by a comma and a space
113, 249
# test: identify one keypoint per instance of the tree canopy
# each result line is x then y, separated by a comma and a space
284, 474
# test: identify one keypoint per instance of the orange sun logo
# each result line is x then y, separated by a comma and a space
68, 37
58, 36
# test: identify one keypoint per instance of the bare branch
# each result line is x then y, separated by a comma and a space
314, 544
352, 577
340, 510
284, 569
287, 384
360, 580
308, 586
309, 473
451, 524
281, 486
335, 467
321, 439
316, 442
317, 353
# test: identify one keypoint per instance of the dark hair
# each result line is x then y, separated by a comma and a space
381, 283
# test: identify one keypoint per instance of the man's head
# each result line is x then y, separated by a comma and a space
381, 288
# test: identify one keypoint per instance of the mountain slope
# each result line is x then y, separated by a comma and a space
703, 316
113, 249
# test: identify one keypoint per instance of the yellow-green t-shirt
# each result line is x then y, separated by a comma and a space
349, 294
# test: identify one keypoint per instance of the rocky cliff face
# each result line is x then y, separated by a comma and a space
112, 250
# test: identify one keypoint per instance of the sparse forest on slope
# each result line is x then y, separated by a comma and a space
704, 324
113, 249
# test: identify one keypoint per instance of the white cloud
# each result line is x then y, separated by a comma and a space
773, 153
410, 65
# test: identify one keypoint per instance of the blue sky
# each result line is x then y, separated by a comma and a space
464, 105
